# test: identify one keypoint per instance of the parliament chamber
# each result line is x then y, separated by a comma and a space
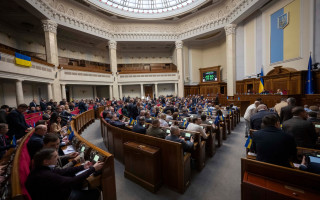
159, 99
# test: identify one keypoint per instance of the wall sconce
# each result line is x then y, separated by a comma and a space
83, 91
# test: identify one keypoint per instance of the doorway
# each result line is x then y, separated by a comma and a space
148, 91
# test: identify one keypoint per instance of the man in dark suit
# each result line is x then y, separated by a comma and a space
50, 183
35, 142
286, 112
302, 130
175, 137
256, 119
3, 113
43, 105
33, 103
140, 127
17, 123
271, 144
4, 143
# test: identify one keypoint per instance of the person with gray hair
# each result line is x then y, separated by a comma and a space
247, 115
256, 119
176, 137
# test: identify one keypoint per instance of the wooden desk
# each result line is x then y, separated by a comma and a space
142, 165
243, 104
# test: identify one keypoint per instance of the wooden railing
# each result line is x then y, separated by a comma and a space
16, 185
85, 69
107, 178
10, 52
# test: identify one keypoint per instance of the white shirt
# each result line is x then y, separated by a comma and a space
249, 112
163, 123
197, 128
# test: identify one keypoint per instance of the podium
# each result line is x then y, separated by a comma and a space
143, 165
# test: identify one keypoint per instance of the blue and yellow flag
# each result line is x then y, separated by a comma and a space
132, 121
71, 136
261, 85
14, 141
248, 143
23, 60
216, 121
185, 123
69, 130
309, 83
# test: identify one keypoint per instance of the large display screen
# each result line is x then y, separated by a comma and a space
209, 76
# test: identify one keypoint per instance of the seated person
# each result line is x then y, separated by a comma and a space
116, 122
303, 131
194, 111
140, 127
168, 116
50, 183
162, 120
107, 116
52, 141
155, 130
309, 166
32, 110
35, 142
4, 143
175, 116
185, 113
56, 127
142, 114
195, 126
271, 144
313, 117
175, 137
306, 108
256, 118
148, 118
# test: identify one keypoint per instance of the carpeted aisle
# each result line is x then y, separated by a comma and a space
220, 178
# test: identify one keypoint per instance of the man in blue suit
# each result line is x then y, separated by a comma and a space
140, 127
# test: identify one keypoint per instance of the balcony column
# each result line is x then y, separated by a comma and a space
156, 89
49, 85
113, 66
175, 89
63, 91
231, 58
179, 46
110, 92
50, 35
120, 91
19, 92
141, 86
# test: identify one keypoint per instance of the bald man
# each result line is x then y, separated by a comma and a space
256, 119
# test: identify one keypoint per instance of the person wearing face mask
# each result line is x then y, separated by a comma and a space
46, 181
300, 128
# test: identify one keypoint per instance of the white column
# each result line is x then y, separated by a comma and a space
141, 86
50, 34
19, 92
71, 92
110, 92
120, 91
63, 90
175, 89
156, 89
94, 92
113, 66
179, 45
49, 91
231, 58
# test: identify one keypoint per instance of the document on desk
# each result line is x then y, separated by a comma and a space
69, 149
77, 174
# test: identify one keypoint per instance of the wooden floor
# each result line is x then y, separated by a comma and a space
219, 180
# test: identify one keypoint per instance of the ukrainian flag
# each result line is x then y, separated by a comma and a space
285, 32
14, 141
23, 60
248, 143
261, 85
